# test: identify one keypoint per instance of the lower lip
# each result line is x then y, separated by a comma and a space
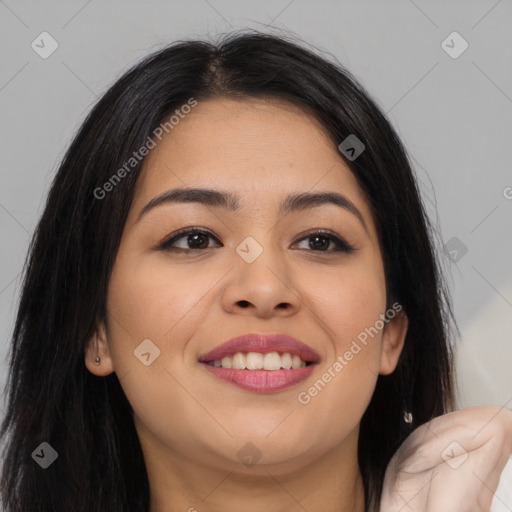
262, 381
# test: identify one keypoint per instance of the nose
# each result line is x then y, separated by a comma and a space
263, 288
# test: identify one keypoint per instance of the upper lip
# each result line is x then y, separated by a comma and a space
262, 343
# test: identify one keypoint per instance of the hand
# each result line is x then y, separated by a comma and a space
451, 464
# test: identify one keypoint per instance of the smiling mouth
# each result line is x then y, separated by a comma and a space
258, 372
270, 361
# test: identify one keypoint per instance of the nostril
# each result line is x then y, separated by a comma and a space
243, 303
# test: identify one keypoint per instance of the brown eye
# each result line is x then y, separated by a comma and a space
320, 241
197, 241
193, 240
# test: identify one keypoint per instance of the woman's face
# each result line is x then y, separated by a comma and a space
257, 270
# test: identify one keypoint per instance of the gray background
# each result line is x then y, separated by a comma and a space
454, 116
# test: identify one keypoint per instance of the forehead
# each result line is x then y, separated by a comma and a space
260, 150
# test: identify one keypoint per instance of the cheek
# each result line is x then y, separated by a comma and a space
348, 306
150, 298
344, 385
349, 303
152, 301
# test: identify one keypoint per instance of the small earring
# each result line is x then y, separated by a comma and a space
407, 417
97, 360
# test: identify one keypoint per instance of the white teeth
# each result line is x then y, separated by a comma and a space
296, 361
257, 361
254, 361
239, 361
225, 362
286, 361
272, 361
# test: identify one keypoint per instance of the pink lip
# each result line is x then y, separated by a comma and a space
262, 381
262, 343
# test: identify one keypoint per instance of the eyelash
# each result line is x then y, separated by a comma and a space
340, 244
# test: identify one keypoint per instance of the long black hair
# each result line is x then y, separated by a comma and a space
53, 398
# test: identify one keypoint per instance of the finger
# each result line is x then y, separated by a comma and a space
460, 490
444, 438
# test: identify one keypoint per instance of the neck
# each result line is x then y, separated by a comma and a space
330, 483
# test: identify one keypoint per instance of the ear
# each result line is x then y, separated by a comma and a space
98, 347
393, 338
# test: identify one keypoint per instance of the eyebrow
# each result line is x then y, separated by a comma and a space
231, 202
